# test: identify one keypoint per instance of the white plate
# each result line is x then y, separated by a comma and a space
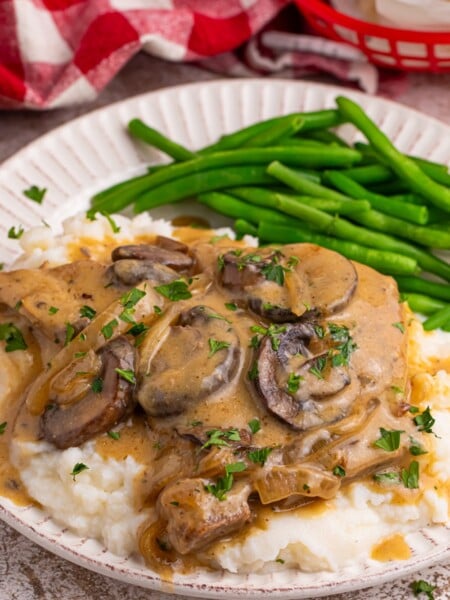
95, 151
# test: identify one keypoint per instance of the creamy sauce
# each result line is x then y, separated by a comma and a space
392, 548
378, 364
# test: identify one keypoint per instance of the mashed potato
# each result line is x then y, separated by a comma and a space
99, 503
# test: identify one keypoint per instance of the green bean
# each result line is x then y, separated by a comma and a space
327, 137
408, 212
423, 286
422, 304
305, 157
438, 319
275, 133
141, 131
372, 219
369, 174
227, 205
198, 183
305, 142
405, 168
435, 171
243, 227
391, 187
312, 120
269, 198
387, 262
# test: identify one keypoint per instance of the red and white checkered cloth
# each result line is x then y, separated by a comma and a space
59, 52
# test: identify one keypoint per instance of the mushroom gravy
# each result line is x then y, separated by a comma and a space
245, 380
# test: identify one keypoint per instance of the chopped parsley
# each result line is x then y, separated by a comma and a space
339, 471
127, 374
80, 354
423, 587
97, 385
231, 306
127, 315
390, 477
108, 329
410, 476
13, 337
177, 290
259, 455
254, 372
273, 331
15, 234
77, 469
318, 367
399, 325
413, 409
292, 262
279, 560
175, 503
397, 390
3, 427
306, 488
220, 262
115, 435
219, 437
224, 484
389, 440
157, 309
131, 298
416, 449
425, 421
34, 193
88, 312
70, 333
138, 329
293, 383
254, 425
53, 310
216, 345
274, 272
319, 331
18, 305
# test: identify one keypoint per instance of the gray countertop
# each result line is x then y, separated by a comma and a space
28, 572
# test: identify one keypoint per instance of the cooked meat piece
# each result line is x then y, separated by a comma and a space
131, 271
51, 298
302, 386
280, 482
199, 355
101, 407
195, 517
285, 286
170, 258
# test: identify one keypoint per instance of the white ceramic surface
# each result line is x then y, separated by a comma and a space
95, 151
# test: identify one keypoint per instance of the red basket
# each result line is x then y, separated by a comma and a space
385, 46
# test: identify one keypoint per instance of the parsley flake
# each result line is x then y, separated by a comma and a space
219, 437
53, 310
34, 193
390, 477
88, 312
15, 234
177, 290
3, 427
273, 272
399, 325
339, 471
254, 425
131, 298
108, 329
70, 333
425, 421
224, 484
97, 385
254, 372
77, 469
423, 587
216, 345
410, 476
126, 374
259, 455
13, 337
389, 440
231, 306
293, 383
115, 435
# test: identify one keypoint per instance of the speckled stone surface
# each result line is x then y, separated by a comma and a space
28, 572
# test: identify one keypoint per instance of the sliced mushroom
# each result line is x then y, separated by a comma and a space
285, 286
322, 393
196, 518
199, 354
100, 408
131, 271
171, 244
179, 261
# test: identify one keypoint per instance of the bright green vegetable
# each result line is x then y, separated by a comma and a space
423, 286
386, 262
423, 304
405, 168
147, 134
369, 174
275, 133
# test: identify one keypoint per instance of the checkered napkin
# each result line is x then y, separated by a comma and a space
59, 52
